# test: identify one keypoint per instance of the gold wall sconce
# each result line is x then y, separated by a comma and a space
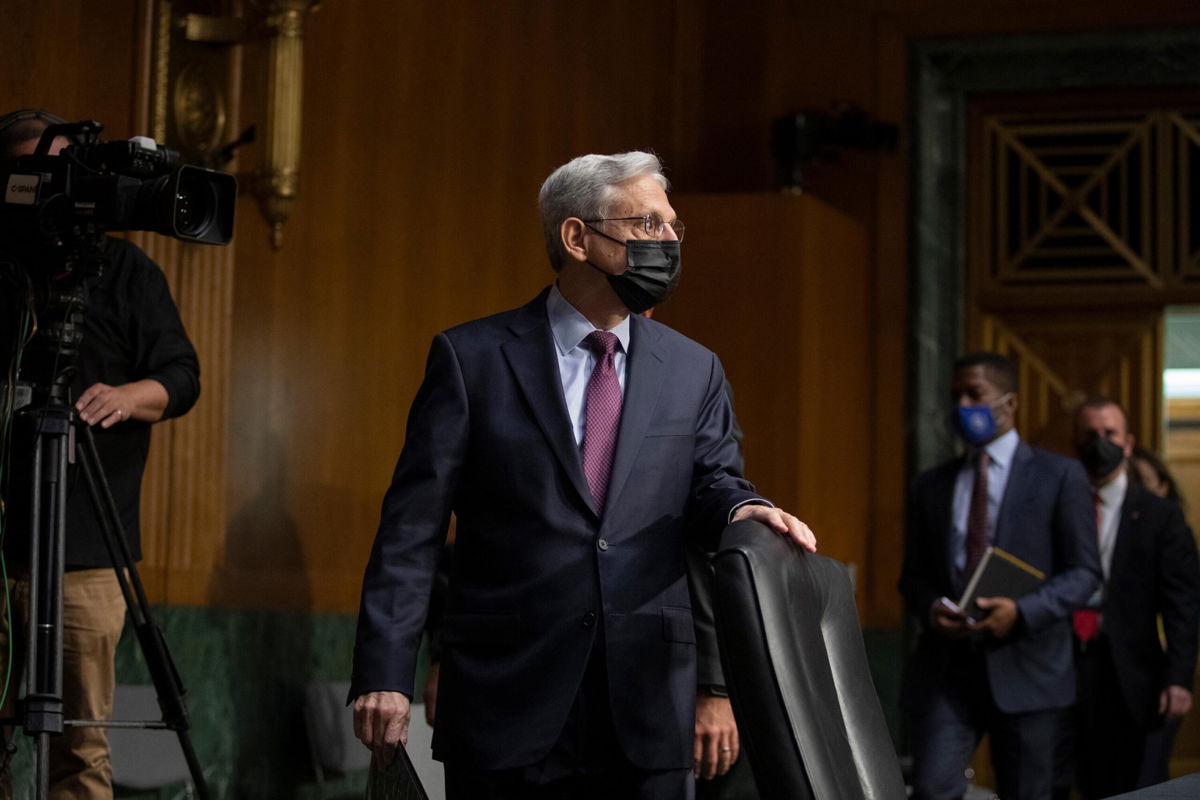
194, 67
277, 182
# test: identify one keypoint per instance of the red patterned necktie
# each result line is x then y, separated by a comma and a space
602, 415
977, 524
1086, 621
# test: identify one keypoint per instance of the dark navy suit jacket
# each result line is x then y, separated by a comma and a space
1047, 518
1154, 571
536, 569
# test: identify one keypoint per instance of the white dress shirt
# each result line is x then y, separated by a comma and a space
1001, 451
575, 360
1112, 497
575, 363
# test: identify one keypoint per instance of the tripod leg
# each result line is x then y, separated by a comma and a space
163, 673
43, 702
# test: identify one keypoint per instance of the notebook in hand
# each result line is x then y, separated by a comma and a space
999, 574
397, 781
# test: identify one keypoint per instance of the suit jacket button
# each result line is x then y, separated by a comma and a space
589, 619
602, 544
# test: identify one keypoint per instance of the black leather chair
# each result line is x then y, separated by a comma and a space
796, 669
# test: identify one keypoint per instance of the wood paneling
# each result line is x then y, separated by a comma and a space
1064, 357
428, 130
184, 508
788, 313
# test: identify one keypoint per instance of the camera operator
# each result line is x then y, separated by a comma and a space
135, 367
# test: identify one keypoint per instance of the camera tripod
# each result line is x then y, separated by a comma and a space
57, 438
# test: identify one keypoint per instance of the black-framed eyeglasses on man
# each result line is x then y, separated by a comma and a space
653, 224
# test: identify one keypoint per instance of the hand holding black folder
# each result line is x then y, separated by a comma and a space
397, 781
999, 574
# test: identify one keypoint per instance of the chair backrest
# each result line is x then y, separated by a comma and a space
792, 649
143, 758
330, 724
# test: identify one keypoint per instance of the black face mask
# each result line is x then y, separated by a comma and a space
651, 275
1100, 457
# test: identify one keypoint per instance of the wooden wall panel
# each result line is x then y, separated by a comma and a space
184, 510
428, 130
76, 58
1064, 357
427, 134
789, 316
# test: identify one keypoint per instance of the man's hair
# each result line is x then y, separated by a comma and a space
1000, 370
1100, 401
18, 127
584, 188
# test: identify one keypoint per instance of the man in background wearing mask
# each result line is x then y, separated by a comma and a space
1129, 684
1010, 673
578, 445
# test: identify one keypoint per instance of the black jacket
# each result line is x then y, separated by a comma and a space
1155, 571
131, 331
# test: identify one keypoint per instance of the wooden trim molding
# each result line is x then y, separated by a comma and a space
184, 514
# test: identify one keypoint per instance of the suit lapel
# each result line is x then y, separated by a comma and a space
1018, 486
644, 371
530, 355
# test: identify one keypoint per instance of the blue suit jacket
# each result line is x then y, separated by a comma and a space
536, 569
1047, 519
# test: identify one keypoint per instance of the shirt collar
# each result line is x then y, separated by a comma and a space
1001, 449
570, 327
1113, 492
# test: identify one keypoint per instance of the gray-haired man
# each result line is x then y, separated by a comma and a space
578, 445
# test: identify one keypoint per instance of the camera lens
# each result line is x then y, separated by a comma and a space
195, 205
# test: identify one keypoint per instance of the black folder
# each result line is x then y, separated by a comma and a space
999, 574
398, 781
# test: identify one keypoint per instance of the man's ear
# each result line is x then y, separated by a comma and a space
1130, 443
574, 238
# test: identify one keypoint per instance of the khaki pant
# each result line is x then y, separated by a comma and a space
93, 615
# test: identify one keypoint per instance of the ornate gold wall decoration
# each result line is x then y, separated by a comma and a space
193, 70
199, 108
191, 107
278, 180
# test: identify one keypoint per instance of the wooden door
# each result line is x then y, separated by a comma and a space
1083, 224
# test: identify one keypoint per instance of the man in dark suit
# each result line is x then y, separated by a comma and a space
1009, 673
576, 442
722, 768
1129, 683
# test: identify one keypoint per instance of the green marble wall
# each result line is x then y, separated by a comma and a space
245, 673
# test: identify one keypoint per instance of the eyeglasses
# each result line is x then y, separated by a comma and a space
652, 223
